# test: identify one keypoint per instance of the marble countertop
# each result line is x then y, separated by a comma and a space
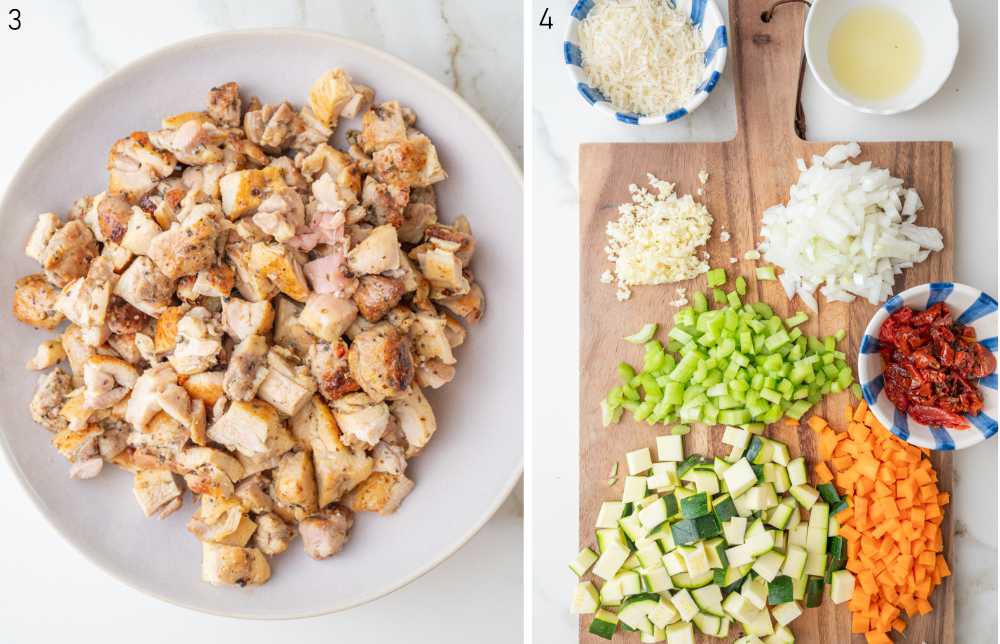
964, 111
64, 47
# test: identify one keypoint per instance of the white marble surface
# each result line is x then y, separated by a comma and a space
965, 111
62, 49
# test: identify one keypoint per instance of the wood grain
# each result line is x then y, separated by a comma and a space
748, 174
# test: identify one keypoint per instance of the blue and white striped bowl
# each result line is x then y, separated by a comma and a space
704, 14
969, 306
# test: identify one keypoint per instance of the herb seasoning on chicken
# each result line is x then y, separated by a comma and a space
252, 315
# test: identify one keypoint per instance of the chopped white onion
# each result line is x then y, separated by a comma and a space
847, 229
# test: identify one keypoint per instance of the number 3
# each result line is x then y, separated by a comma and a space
15, 19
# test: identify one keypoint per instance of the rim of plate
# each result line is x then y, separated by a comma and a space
870, 368
96, 89
710, 78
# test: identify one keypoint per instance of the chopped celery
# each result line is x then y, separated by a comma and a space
626, 372
741, 285
766, 273
643, 335
700, 302
716, 277
718, 296
796, 319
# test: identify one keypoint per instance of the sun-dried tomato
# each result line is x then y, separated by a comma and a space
929, 362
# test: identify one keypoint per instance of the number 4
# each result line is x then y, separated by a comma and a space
545, 16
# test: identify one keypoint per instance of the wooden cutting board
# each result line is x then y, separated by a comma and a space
748, 174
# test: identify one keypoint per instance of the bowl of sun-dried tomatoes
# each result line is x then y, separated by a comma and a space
928, 365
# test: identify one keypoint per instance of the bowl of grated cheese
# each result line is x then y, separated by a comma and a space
645, 62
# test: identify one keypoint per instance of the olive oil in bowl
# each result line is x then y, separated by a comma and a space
875, 52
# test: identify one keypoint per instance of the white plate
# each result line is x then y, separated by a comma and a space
462, 476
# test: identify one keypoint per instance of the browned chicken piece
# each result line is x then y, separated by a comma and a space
413, 162
165, 338
159, 443
108, 380
272, 536
337, 192
113, 214
136, 166
247, 369
221, 520
281, 214
35, 302
377, 253
156, 490
190, 247
290, 174
326, 159
125, 348
450, 238
272, 127
339, 468
141, 230
382, 125
381, 492
77, 351
279, 265
46, 226
294, 483
443, 269
420, 212
214, 281
206, 386
389, 458
331, 94
48, 354
246, 427
324, 534
327, 316
329, 367
385, 203
381, 362
434, 374
223, 565
144, 403
199, 342
123, 318
288, 331
251, 285
416, 419
252, 493
313, 132
50, 396
224, 104
362, 420
430, 340
69, 253
287, 384
470, 307
85, 300
241, 319
243, 191
193, 138
146, 288
376, 295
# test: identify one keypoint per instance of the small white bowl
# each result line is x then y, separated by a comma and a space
938, 27
704, 14
969, 306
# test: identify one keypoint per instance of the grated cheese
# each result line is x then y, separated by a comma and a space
643, 55
655, 240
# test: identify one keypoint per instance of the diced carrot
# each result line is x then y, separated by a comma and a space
823, 473
859, 622
817, 423
877, 637
942, 566
859, 412
841, 463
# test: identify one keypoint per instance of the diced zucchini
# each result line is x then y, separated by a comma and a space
655, 580
585, 599
780, 453
786, 613
663, 614
799, 588
759, 544
739, 607
610, 561
638, 461
761, 624
685, 605
805, 494
629, 581
716, 551
814, 592
658, 635
654, 514
704, 481
611, 594
632, 527
709, 600
609, 514
795, 562
604, 624
696, 559
779, 516
739, 478
670, 448
681, 633
674, 562
736, 437
634, 612
781, 635
769, 564
754, 590
842, 586
696, 505
688, 581
723, 507
649, 554
779, 590
584, 560
734, 529
635, 489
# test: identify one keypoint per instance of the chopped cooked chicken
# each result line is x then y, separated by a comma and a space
241, 319
362, 420
381, 361
199, 341
247, 369
143, 286
223, 565
48, 354
272, 536
381, 492
329, 367
327, 316
189, 247
377, 253
224, 104
108, 380
50, 396
35, 302
135, 166
255, 310
156, 491
416, 419
287, 383
324, 534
